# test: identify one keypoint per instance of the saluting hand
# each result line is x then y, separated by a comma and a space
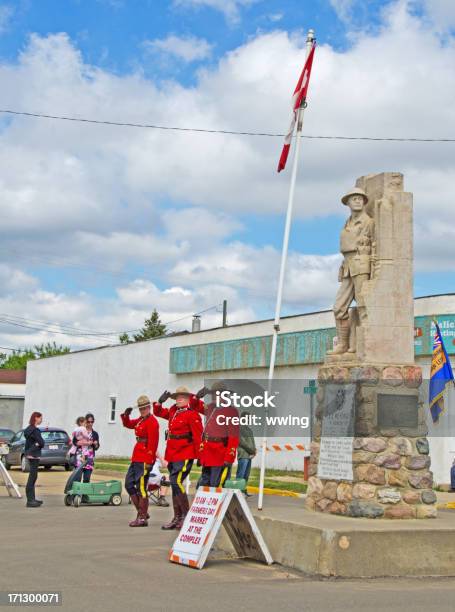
163, 397
202, 392
128, 411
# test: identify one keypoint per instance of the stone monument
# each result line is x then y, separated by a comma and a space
370, 456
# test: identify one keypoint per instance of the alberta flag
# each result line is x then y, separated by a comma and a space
441, 374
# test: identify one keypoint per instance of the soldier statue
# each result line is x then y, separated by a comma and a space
358, 248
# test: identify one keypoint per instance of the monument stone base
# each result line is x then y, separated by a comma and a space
370, 455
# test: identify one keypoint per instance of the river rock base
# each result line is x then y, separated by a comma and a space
391, 476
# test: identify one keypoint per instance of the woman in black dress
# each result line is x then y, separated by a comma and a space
33, 445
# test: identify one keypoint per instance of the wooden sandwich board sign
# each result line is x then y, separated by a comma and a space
11, 486
211, 508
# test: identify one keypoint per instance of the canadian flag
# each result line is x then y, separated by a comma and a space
298, 99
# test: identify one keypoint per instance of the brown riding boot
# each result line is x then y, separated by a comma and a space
173, 522
184, 508
141, 519
143, 509
135, 501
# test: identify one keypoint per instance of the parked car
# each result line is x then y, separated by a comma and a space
6, 435
56, 446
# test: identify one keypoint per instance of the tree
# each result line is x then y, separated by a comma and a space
17, 360
152, 329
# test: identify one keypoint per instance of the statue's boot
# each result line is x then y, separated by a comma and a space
343, 337
354, 323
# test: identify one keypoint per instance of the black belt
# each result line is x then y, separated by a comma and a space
144, 440
215, 439
187, 436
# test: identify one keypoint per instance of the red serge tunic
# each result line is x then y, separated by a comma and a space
186, 425
222, 449
148, 429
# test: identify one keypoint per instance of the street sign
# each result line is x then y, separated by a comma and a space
211, 508
311, 388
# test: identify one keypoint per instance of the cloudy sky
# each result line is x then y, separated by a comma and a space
101, 224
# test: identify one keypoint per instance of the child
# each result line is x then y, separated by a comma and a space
73, 450
84, 446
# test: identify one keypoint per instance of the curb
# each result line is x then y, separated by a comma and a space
280, 492
446, 506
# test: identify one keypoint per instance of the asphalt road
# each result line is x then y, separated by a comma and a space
98, 562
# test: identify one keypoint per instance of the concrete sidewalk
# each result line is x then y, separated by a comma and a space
329, 545
322, 544
99, 563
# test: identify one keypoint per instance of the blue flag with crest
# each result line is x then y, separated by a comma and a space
441, 375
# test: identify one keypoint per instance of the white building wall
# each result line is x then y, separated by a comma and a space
65, 387
68, 386
12, 390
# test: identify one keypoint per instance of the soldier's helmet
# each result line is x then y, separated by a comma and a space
355, 191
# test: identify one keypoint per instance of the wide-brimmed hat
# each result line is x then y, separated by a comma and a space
220, 386
181, 391
142, 401
355, 191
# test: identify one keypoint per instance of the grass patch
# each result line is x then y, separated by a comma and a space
120, 464
296, 487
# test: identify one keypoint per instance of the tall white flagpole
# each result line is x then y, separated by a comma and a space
284, 255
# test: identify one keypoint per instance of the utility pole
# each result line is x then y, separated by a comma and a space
224, 313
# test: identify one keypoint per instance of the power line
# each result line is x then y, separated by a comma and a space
67, 330
52, 331
175, 320
217, 131
17, 350
61, 262
59, 325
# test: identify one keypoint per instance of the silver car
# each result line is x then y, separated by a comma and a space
56, 446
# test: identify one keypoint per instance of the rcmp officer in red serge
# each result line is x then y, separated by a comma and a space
220, 438
146, 429
182, 447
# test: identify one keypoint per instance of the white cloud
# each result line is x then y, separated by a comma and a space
310, 279
442, 12
87, 314
13, 280
95, 170
276, 17
186, 48
171, 202
230, 8
343, 8
194, 224
6, 14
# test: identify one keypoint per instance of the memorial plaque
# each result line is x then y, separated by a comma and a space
335, 454
401, 411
